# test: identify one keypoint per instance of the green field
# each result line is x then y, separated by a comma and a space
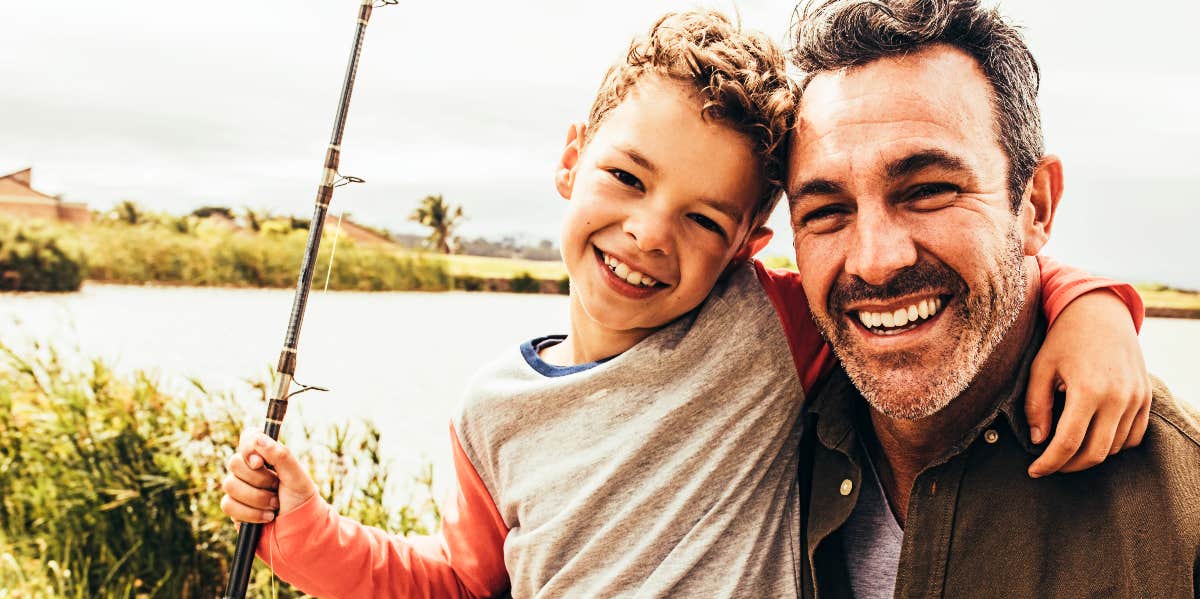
1160, 296
496, 268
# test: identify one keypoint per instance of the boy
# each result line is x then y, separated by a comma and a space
637, 455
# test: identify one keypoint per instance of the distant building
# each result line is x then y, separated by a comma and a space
19, 199
354, 231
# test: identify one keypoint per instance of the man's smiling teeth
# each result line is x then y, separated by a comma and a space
632, 277
921, 310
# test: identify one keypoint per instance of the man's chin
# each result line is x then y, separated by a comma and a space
905, 390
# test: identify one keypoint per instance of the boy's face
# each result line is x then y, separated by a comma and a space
660, 202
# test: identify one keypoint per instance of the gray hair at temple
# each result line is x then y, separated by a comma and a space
839, 34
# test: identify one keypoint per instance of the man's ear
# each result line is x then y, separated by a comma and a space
564, 172
755, 242
1041, 204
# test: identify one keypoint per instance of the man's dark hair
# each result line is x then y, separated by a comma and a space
838, 34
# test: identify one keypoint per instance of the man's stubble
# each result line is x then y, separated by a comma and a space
911, 386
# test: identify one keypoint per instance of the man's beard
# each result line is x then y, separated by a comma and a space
911, 385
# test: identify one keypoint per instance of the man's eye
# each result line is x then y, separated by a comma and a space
929, 190
823, 212
626, 179
708, 223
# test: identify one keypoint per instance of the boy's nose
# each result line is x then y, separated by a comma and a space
650, 231
880, 247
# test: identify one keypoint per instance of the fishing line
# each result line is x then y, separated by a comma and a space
342, 180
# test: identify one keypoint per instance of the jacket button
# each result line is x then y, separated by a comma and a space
990, 435
847, 486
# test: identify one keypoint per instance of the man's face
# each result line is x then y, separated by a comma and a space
660, 201
904, 233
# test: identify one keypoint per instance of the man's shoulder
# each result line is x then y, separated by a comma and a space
1175, 424
1164, 471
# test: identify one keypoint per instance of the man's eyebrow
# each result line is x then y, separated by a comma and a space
924, 159
815, 187
638, 158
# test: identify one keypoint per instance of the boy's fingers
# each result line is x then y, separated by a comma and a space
239, 491
1126, 425
1097, 444
260, 477
287, 468
1140, 422
1068, 437
244, 513
246, 441
1039, 402
246, 448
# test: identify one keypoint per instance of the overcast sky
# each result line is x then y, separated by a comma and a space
177, 105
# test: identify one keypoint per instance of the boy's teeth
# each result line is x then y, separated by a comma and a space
901, 317
631, 276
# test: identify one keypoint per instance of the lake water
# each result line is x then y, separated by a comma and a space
399, 359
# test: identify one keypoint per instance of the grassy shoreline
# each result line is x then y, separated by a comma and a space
38, 256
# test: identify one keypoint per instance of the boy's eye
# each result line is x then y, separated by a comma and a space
624, 178
707, 223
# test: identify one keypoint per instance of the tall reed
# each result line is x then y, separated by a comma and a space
109, 484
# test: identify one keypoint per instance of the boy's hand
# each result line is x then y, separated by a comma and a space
1092, 353
254, 493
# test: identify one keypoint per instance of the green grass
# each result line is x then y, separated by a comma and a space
498, 268
138, 254
109, 484
198, 254
1161, 296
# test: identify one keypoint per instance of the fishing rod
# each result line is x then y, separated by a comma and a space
249, 534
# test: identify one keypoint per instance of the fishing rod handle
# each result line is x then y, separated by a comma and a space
250, 532
239, 571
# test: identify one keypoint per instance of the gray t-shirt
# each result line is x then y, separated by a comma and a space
871, 541
667, 471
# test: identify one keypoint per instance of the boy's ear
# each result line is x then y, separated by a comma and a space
755, 242
564, 172
1041, 204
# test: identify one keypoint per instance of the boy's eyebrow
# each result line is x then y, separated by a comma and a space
638, 158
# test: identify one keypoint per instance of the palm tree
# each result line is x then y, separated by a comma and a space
129, 212
441, 218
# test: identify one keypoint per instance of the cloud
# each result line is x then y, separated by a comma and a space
231, 102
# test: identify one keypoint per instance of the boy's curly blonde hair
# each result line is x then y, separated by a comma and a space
740, 75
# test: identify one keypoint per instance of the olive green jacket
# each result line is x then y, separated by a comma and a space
979, 526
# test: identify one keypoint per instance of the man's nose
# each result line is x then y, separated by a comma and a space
651, 230
881, 246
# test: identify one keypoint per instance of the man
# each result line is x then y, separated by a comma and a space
919, 186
